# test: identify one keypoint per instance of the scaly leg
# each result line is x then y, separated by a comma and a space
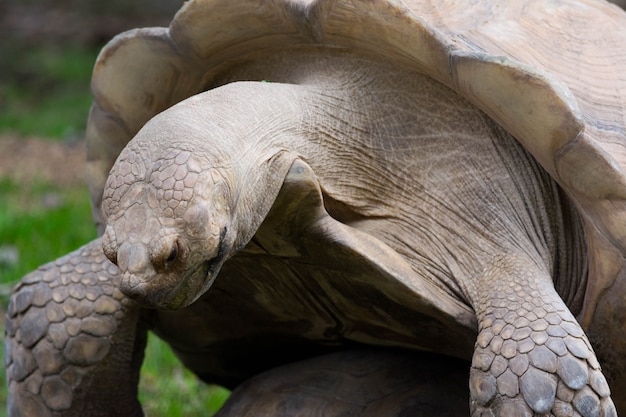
74, 343
531, 356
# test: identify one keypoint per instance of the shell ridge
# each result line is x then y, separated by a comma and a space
310, 17
520, 98
113, 92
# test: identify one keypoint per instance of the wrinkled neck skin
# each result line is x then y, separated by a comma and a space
397, 155
247, 135
194, 185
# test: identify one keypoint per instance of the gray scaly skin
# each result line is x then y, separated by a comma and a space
246, 135
530, 343
70, 333
472, 213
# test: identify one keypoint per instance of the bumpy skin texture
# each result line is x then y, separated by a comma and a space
517, 236
74, 342
530, 243
174, 259
531, 347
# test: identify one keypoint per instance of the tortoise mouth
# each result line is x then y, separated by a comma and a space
190, 286
183, 290
171, 292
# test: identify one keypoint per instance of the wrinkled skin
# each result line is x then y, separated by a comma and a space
397, 157
509, 222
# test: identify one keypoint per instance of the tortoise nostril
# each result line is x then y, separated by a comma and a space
134, 259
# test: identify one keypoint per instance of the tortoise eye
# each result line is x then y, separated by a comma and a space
173, 253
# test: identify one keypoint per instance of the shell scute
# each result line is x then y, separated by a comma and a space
139, 73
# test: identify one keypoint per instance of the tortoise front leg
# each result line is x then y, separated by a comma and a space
74, 343
531, 356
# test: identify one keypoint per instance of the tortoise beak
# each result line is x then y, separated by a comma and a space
169, 291
190, 287
166, 290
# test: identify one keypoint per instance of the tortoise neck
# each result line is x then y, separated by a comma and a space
249, 133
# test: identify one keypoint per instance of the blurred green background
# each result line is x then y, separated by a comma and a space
47, 51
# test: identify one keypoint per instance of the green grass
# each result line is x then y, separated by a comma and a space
44, 92
44, 89
167, 389
42, 222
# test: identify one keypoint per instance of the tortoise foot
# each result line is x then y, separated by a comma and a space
532, 358
559, 377
73, 344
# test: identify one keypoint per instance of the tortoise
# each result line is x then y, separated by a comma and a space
305, 198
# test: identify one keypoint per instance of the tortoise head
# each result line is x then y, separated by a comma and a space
168, 220
191, 189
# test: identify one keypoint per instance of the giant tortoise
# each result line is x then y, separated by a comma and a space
304, 198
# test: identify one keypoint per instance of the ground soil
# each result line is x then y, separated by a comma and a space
87, 22
90, 23
26, 159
